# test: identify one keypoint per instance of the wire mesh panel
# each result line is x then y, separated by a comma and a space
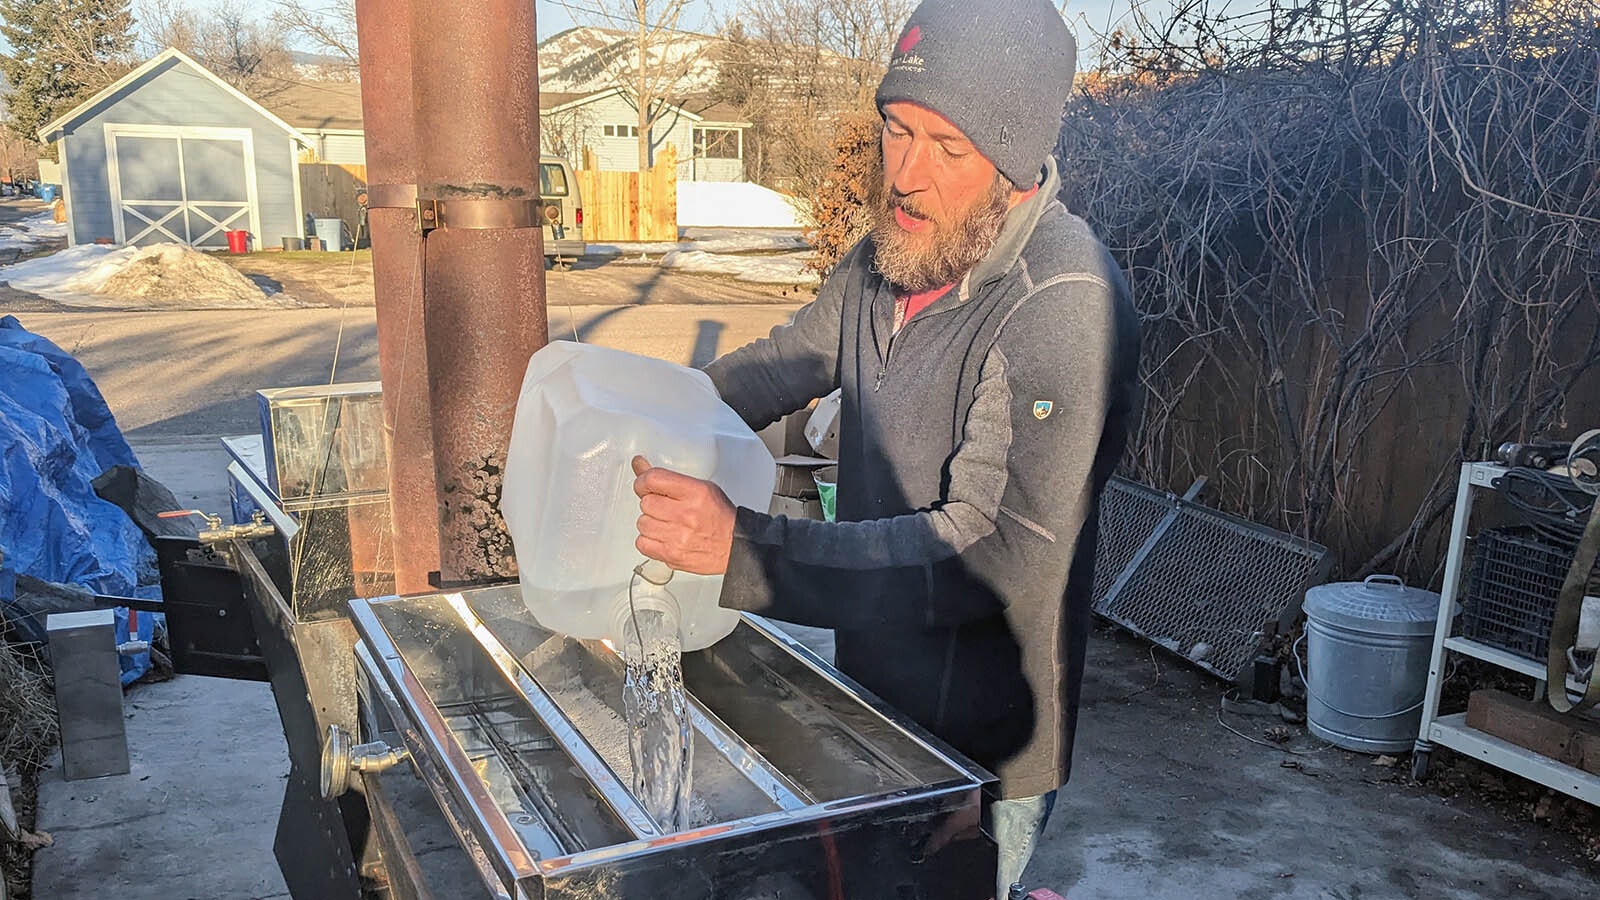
1129, 513
1211, 584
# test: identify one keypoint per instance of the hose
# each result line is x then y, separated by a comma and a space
1543, 501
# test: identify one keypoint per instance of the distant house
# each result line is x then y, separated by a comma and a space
171, 152
327, 112
709, 137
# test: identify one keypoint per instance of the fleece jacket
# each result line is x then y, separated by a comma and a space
974, 444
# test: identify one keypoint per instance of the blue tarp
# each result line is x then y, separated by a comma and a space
56, 436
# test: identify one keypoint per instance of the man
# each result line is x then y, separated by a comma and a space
986, 349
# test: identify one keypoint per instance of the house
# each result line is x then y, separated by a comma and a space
171, 152
709, 137
327, 112
583, 106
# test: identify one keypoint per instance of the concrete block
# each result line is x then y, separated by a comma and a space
83, 656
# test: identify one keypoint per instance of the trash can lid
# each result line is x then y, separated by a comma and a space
1382, 604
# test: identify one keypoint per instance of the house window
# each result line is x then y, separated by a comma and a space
622, 131
716, 143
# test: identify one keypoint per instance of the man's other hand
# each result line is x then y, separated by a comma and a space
685, 522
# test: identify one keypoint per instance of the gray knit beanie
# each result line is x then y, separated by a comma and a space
1000, 70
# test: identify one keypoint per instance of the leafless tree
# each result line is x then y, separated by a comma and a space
328, 27
1363, 240
19, 157
562, 133
653, 56
225, 39
794, 67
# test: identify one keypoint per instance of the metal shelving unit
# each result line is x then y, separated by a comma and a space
1452, 730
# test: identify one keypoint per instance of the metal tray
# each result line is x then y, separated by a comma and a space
806, 786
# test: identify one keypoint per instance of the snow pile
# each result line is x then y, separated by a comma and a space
35, 231
175, 272
735, 205
170, 276
75, 270
736, 243
788, 269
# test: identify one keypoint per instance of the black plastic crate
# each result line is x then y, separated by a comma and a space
1511, 591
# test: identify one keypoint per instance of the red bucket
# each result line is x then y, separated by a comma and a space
238, 242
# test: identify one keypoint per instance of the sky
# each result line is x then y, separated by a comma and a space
1086, 15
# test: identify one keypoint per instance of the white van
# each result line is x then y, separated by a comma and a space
563, 212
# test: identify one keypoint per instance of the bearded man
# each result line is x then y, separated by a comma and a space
986, 349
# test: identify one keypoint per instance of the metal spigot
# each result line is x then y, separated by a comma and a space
340, 760
215, 532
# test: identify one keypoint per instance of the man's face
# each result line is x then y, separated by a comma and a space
942, 201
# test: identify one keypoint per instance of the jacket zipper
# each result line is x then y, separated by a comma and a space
888, 353
883, 367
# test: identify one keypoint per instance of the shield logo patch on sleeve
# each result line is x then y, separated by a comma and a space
1042, 408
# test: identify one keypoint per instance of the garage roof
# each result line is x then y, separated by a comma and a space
50, 132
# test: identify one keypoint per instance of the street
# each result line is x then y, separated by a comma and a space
169, 375
339, 279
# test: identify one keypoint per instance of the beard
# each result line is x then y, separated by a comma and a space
945, 251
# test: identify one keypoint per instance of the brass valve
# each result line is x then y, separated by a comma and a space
215, 532
340, 760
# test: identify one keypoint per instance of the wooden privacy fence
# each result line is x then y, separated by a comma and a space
328, 191
617, 206
630, 206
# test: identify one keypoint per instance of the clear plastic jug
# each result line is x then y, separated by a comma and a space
568, 499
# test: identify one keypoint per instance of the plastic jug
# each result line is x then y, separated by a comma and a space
568, 499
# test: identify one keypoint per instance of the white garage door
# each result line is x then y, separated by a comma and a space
183, 185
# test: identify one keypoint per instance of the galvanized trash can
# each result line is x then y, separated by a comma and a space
331, 233
1368, 646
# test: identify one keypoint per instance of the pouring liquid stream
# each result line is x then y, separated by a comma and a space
656, 709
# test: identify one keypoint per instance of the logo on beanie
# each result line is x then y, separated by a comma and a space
909, 39
904, 60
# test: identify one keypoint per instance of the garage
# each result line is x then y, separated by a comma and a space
171, 153
184, 185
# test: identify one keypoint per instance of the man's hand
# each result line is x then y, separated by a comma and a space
685, 522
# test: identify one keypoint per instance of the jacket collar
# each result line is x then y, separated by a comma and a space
1014, 234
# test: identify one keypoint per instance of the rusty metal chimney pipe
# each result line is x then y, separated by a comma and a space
387, 113
474, 70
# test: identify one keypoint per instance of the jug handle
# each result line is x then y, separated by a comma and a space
651, 570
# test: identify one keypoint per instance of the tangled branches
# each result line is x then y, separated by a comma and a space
1365, 243
27, 734
27, 709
